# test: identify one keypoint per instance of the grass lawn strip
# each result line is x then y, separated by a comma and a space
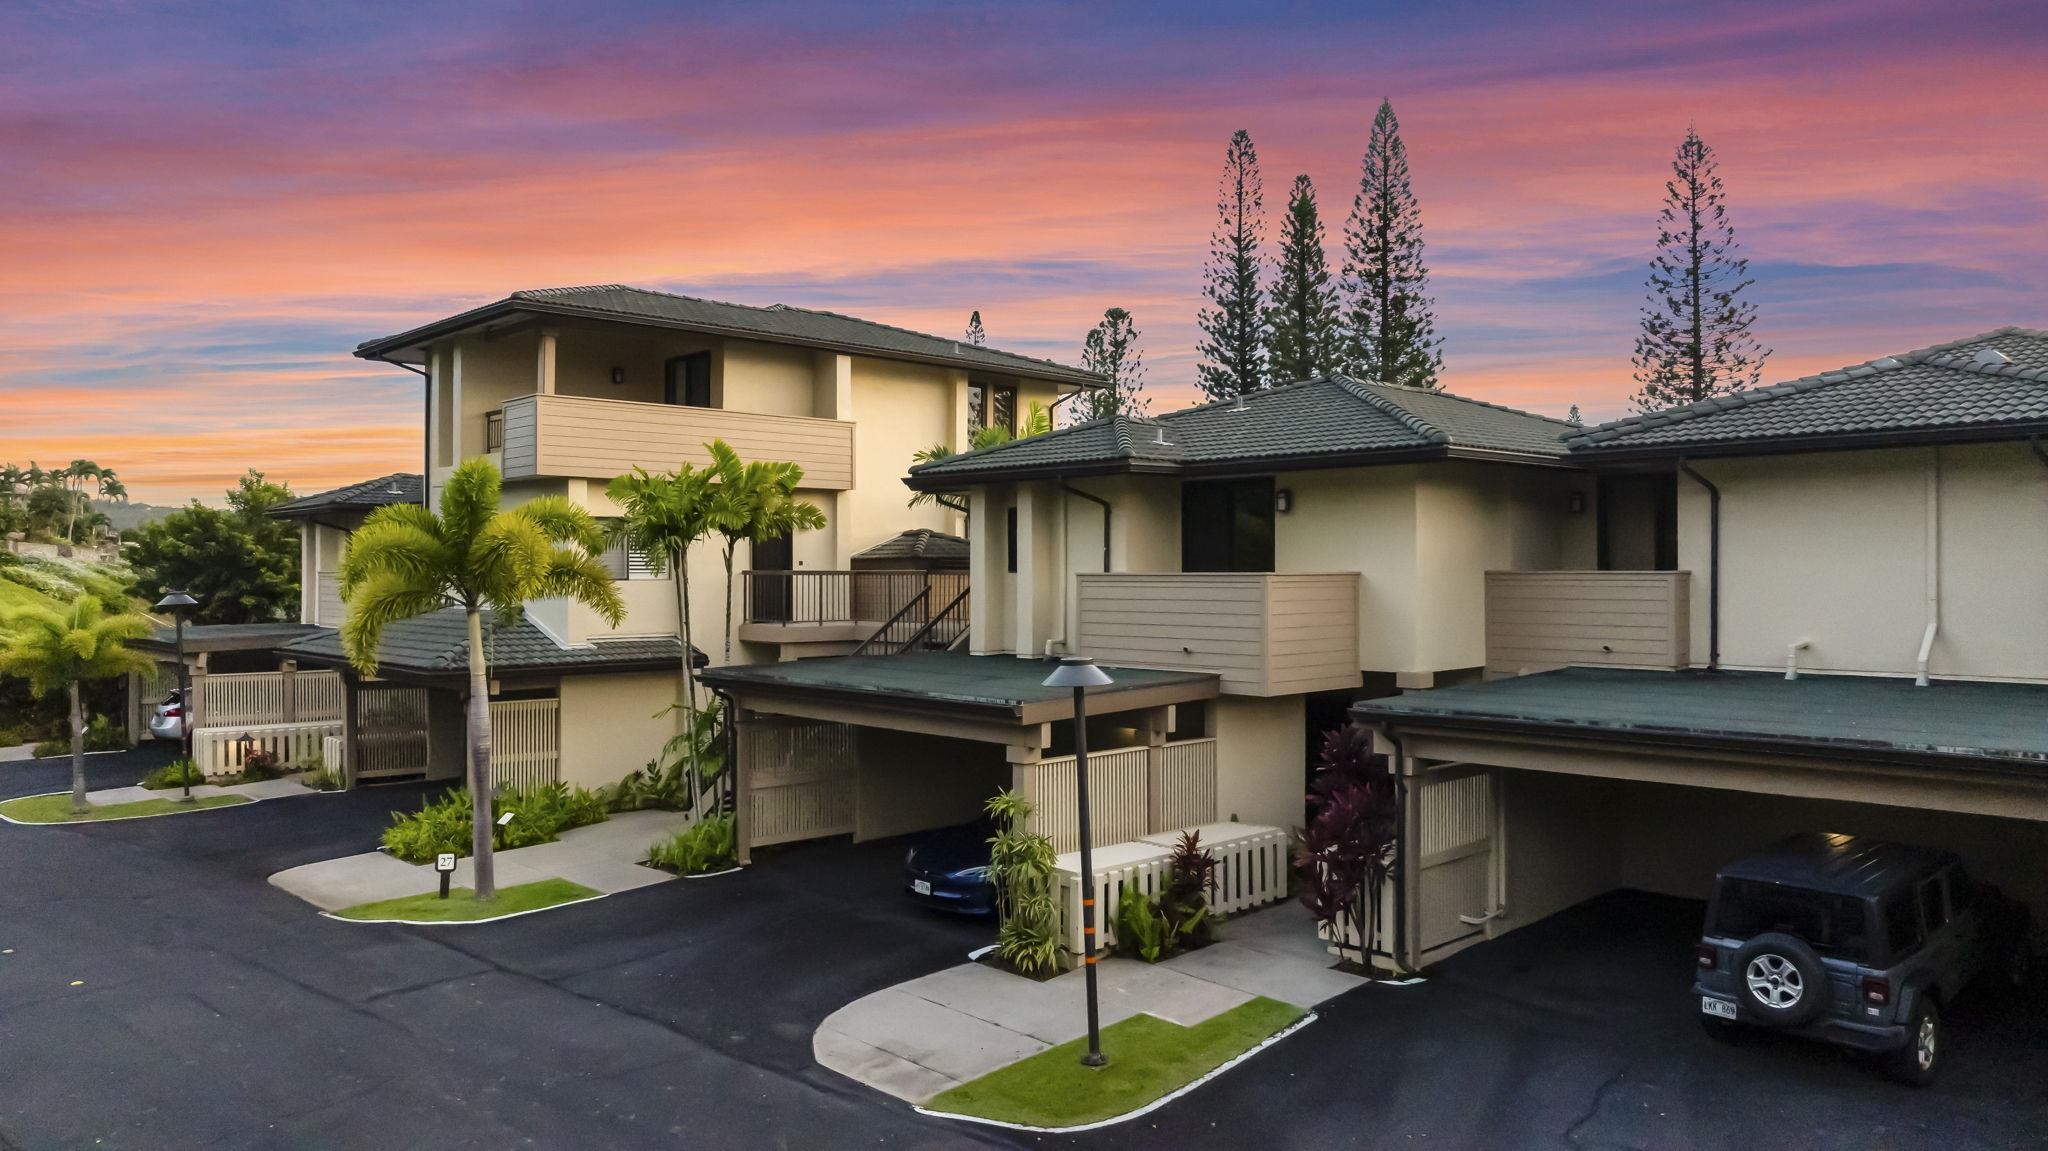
461, 905
56, 808
1149, 1059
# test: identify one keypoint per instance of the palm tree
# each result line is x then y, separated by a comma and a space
74, 478
755, 501
662, 516
65, 645
406, 561
1037, 422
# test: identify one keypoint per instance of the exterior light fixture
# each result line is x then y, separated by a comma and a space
1283, 501
178, 604
618, 377
1577, 503
1081, 674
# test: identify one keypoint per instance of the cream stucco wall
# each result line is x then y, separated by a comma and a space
612, 724
1261, 758
899, 409
1834, 549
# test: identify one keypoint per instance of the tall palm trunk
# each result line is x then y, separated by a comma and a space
679, 564
479, 716
730, 544
78, 806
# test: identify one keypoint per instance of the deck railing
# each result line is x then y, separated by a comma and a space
828, 597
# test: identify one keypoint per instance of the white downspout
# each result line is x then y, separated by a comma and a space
1933, 566
1792, 651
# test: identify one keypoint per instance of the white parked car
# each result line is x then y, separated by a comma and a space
167, 719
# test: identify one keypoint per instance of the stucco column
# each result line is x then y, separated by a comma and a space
195, 708
1024, 590
134, 708
350, 731
289, 669
985, 567
1409, 881
544, 368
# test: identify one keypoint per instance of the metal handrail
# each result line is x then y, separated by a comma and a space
933, 622
882, 632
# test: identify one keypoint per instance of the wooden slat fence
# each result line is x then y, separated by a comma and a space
801, 779
334, 756
1186, 795
220, 750
269, 697
1119, 798
391, 732
525, 743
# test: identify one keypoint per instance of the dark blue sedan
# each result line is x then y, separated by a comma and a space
948, 869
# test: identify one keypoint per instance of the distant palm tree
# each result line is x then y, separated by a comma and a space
406, 561
1037, 422
755, 501
64, 645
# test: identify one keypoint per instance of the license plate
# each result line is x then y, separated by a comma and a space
1717, 1007
924, 887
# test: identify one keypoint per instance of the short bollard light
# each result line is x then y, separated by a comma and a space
445, 864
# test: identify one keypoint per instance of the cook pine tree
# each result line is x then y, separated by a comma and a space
1695, 341
1111, 350
1389, 319
975, 335
1305, 337
1233, 346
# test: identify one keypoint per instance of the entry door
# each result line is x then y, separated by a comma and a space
1460, 891
687, 380
773, 557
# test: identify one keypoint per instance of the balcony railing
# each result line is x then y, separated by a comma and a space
1540, 620
845, 597
1264, 633
555, 435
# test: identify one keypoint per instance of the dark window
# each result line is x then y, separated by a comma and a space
977, 406
1902, 933
1933, 911
1013, 539
688, 381
1003, 414
494, 431
1836, 925
1637, 524
1227, 526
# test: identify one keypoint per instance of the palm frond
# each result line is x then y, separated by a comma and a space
380, 599
468, 500
582, 577
563, 522
397, 544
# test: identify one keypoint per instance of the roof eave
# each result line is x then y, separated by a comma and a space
1238, 465
1594, 456
380, 349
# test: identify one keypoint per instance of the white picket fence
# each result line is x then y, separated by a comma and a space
219, 751
1130, 792
526, 742
1251, 870
334, 756
265, 697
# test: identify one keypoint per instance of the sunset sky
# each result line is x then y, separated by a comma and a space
206, 206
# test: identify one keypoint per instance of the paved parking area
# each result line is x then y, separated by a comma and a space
215, 1010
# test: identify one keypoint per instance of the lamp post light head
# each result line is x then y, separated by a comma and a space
176, 601
1077, 671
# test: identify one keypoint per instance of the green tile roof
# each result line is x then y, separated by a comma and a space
437, 644
933, 677
1305, 424
1822, 714
1991, 384
773, 323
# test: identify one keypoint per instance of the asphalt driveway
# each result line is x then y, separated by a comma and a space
214, 1010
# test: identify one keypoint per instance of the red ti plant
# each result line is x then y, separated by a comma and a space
1347, 849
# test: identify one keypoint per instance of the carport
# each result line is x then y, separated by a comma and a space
1529, 795
874, 746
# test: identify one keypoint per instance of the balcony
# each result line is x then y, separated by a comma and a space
1540, 620
842, 606
1265, 634
578, 436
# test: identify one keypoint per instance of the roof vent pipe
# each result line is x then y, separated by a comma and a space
1159, 435
1991, 357
1239, 406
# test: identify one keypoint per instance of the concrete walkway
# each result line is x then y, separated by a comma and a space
917, 1039
604, 857
261, 789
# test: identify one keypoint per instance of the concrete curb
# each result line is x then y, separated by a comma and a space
469, 922
1148, 1108
246, 800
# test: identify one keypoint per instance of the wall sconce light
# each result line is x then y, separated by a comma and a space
618, 376
1283, 501
1577, 503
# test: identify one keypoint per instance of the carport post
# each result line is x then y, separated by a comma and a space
742, 788
1082, 674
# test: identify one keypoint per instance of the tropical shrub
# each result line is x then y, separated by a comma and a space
706, 845
664, 784
1190, 879
1140, 926
320, 777
102, 735
542, 813
51, 748
177, 773
260, 765
1021, 865
1347, 850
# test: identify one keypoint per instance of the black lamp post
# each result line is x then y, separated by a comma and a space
1082, 674
178, 603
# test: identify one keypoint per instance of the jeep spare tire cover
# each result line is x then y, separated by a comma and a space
1780, 981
